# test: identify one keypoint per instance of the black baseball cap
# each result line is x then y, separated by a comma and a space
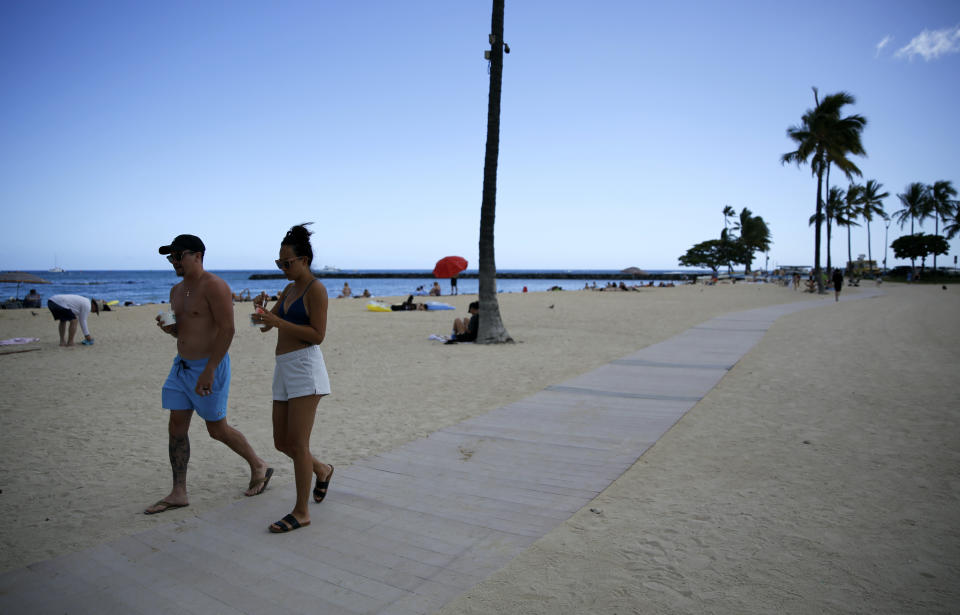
184, 242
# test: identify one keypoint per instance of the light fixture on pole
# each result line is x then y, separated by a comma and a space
885, 244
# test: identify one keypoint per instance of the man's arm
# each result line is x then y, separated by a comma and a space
220, 300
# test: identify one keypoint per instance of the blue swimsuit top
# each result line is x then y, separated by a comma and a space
298, 312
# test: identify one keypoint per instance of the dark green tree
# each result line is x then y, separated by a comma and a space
919, 245
754, 236
491, 329
713, 253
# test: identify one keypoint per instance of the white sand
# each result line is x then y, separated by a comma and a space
730, 512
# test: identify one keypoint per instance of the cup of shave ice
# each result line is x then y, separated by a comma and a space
167, 319
255, 317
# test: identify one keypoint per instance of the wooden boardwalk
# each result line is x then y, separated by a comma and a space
407, 531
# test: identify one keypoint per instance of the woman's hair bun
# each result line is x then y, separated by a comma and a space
298, 238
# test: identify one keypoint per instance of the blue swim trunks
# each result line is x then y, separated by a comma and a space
178, 391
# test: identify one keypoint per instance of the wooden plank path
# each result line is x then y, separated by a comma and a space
406, 531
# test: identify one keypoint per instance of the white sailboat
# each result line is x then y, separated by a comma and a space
56, 268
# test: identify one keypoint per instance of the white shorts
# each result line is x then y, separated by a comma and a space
300, 373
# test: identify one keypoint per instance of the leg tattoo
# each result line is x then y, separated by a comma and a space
179, 457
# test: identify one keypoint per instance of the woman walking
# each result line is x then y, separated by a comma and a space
300, 377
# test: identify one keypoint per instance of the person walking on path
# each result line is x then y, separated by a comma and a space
199, 380
300, 377
71, 309
837, 283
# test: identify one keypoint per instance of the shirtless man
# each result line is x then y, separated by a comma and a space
200, 377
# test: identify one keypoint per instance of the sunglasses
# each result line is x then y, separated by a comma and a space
176, 257
285, 264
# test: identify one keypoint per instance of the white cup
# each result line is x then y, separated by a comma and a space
167, 319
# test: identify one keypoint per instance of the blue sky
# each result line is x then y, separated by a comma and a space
626, 126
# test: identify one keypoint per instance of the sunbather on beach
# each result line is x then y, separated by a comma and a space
199, 380
408, 305
300, 377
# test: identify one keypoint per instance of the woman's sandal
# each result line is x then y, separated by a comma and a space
287, 524
320, 489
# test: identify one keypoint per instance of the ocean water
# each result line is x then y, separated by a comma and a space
139, 287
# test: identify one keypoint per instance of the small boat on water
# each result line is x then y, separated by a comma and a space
56, 268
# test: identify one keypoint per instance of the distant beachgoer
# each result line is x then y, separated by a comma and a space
32, 300
366, 293
346, 292
435, 290
837, 283
300, 378
199, 380
796, 281
71, 309
453, 285
465, 330
408, 305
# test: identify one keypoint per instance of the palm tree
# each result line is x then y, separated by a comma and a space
942, 206
871, 204
833, 203
915, 203
825, 138
847, 214
952, 226
728, 212
491, 329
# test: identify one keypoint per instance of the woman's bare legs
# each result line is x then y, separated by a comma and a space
292, 426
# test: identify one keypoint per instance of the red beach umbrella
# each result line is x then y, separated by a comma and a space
449, 266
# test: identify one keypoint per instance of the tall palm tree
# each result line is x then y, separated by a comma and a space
871, 204
942, 206
847, 214
491, 329
826, 138
915, 201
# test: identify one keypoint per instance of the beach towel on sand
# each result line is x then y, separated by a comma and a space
13, 341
